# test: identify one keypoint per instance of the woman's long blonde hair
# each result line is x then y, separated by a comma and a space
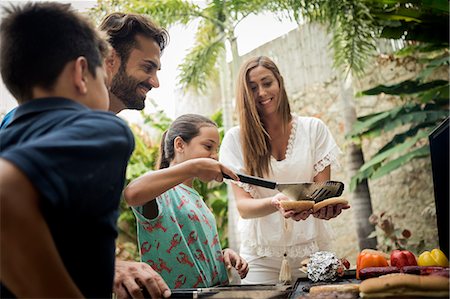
255, 140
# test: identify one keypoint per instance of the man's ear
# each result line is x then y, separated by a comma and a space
80, 75
112, 63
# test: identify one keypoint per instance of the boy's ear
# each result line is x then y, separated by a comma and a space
81, 75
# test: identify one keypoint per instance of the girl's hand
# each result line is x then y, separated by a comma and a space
330, 211
297, 216
234, 260
207, 169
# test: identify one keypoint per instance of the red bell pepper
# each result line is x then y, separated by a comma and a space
401, 258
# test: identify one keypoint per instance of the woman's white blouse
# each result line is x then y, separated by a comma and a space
310, 149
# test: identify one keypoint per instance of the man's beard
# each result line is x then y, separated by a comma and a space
125, 88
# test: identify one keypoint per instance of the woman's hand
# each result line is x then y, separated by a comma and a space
330, 211
234, 260
297, 216
276, 201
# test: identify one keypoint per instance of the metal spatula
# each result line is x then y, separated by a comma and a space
297, 191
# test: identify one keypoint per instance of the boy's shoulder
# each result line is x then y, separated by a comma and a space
104, 117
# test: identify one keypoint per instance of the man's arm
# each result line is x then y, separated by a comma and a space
30, 263
131, 278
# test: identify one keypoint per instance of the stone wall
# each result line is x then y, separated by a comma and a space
314, 90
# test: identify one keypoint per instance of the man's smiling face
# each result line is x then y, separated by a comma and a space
138, 75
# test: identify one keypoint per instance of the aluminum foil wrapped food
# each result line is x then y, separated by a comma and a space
324, 266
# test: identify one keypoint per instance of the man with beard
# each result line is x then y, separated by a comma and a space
137, 45
132, 67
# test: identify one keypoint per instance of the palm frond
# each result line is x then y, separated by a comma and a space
199, 66
384, 162
410, 114
166, 12
404, 87
400, 148
400, 161
403, 136
441, 61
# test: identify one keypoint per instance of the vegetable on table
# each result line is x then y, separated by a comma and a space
434, 258
370, 259
401, 258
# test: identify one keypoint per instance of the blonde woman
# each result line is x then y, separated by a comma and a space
272, 143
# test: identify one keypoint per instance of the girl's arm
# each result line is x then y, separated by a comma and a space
152, 184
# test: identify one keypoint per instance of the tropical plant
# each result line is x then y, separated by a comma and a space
423, 101
424, 105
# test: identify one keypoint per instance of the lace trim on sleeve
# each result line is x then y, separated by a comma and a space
247, 188
329, 159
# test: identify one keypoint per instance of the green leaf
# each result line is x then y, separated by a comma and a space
360, 176
373, 123
401, 137
396, 163
405, 87
370, 121
435, 94
441, 5
400, 148
420, 48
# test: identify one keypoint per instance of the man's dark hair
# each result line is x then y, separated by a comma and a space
39, 39
122, 29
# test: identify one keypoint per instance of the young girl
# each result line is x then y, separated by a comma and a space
177, 232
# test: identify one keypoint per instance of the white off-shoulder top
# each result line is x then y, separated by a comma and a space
310, 149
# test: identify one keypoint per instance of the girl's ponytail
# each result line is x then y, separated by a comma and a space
163, 161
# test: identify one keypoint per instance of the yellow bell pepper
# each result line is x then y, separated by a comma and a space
434, 258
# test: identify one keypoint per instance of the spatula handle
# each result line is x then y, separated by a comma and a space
252, 180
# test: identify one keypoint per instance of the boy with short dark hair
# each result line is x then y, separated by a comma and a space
62, 160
